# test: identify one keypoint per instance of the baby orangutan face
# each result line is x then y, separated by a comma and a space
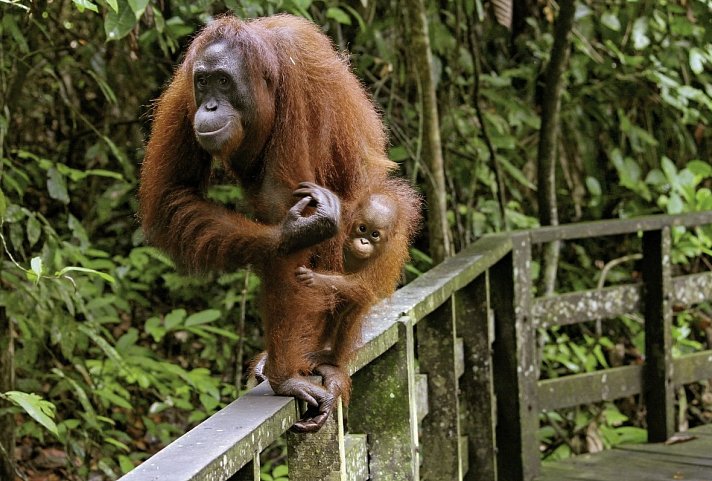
374, 220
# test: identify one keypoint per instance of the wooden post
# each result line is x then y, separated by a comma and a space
440, 435
516, 369
475, 326
658, 388
318, 456
383, 405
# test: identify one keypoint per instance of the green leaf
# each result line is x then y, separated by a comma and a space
593, 186
3, 204
697, 60
640, 29
174, 318
37, 267
202, 317
280, 471
138, 7
125, 463
698, 167
113, 4
339, 15
40, 410
103, 275
118, 25
57, 186
85, 5
611, 21
34, 229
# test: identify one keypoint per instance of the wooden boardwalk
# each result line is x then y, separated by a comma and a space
690, 460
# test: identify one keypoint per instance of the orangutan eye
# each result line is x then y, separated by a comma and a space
375, 234
362, 228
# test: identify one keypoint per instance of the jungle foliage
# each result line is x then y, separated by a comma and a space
116, 353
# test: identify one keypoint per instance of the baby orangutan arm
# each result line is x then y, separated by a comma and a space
349, 288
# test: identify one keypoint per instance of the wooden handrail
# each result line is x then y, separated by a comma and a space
473, 321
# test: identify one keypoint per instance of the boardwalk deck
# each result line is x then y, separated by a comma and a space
689, 460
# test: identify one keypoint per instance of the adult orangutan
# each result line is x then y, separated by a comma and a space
275, 104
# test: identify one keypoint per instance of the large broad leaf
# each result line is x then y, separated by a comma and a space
40, 410
118, 24
202, 317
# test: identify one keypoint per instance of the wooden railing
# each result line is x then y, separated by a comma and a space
467, 405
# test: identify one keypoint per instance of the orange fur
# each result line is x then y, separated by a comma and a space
312, 121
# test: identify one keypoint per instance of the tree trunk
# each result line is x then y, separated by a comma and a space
431, 152
548, 138
7, 383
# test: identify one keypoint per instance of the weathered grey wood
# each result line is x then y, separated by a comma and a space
692, 367
698, 450
705, 430
600, 228
692, 289
225, 442
658, 387
319, 456
440, 430
577, 389
516, 367
636, 463
383, 405
249, 472
478, 406
356, 446
464, 458
583, 306
421, 395
459, 357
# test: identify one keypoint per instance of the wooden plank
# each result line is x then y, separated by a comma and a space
692, 289
606, 385
319, 456
225, 442
658, 387
705, 430
464, 459
692, 367
619, 465
478, 407
459, 357
383, 405
516, 367
697, 451
589, 305
583, 306
440, 429
600, 228
421, 395
356, 446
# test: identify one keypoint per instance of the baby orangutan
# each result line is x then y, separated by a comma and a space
372, 265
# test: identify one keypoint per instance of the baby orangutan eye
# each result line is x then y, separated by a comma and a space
362, 228
375, 234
